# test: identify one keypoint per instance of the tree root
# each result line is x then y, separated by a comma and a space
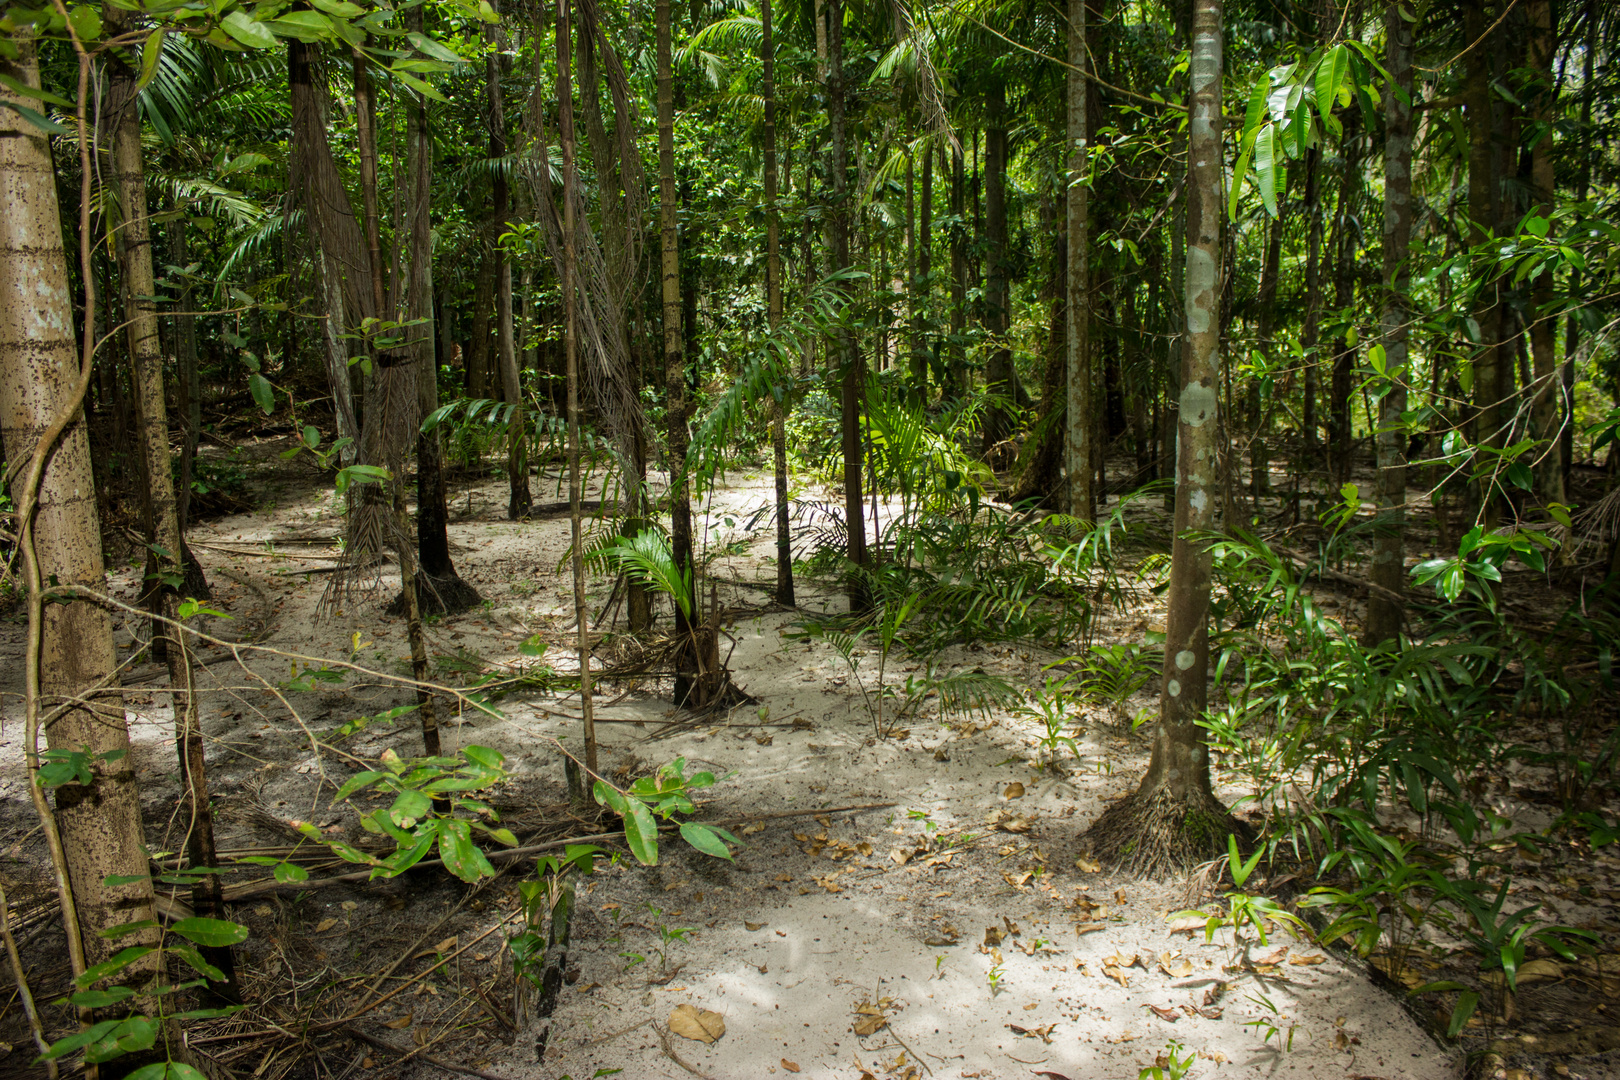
448, 595
1161, 833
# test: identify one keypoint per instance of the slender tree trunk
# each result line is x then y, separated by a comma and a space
1260, 412
923, 284
517, 429
440, 588
70, 662
1310, 336
959, 274
1389, 557
565, 134
1482, 211
1572, 328
773, 307
1079, 449
166, 565
1173, 819
1344, 254
1544, 412
477, 361
851, 371
999, 372
677, 438
188, 386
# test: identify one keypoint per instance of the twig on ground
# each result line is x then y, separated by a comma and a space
437, 1063
669, 1052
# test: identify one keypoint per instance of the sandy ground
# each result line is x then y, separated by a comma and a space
962, 929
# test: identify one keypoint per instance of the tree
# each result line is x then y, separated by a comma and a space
517, 429
94, 830
1388, 559
1078, 442
773, 306
1173, 819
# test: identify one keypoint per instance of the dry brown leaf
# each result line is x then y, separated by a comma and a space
764, 740
446, 945
939, 941
1014, 790
1169, 1016
900, 856
752, 926
586, 988
1088, 865
666, 978
870, 1022
402, 1022
1117, 975
790, 1066
992, 936
1043, 1033
1211, 1014
324, 925
1012, 927
753, 827
784, 877
829, 884
1089, 927
863, 848
1274, 957
1168, 965
764, 969
701, 1026
824, 821
1306, 961
1018, 882
368, 1063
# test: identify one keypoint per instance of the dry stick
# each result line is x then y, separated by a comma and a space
669, 1052
437, 1063
22, 984
356, 1014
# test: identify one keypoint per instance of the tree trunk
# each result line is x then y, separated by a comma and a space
167, 558
1173, 820
999, 372
923, 284
1544, 412
851, 370
477, 361
1310, 335
1482, 211
519, 499
677, 438
773, 307
959, 272
439, 588
1572, 327
1388, 556
1345, 232
96, 827
1079, 448
187, 385
1259, 411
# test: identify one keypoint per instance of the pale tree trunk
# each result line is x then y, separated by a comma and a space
773, 307
1544, 412
851, 371
1388, 556
677, 438
166, 565
565, 135
925, 270
1078, 445
1310, 335
1572, 323
189, 397
958, 381
439, 587
1173, 820
1259, 413
95, 831
1342, 392
478, 328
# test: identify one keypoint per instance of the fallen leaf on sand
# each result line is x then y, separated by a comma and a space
1276, 956
702, 1026
900, 856
1213, 994
1042, 1033
402, 1022
1017, 881
829, 884
1047, 1073
1169, 965
1211, 1014
784, 877
1014, 790
1117, 975
1012, 927
753, 925
1169, 1016
753, 827
790, 1066
992, 936
587, 988
869, 1019
1087, 865
1306, 961
1119, 896
781, 933
939, 941
446, 945
1088, 927
324, 925
667, 977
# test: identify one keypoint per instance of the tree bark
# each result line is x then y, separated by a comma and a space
477, 361
1259, 411
999, 374
168, 556
1544, 411
1482, 212
773, 307
851, 371
1173, 820
677, 438
519, 499
1310, 335
1345, 232
1079, 447
73, 664
1388, 557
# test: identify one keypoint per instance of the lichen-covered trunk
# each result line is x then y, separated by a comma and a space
70, 655
1388, 556
1079, 446
1173, 819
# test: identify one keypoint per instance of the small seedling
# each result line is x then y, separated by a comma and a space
997, 970
1170, 1065
1267, 1026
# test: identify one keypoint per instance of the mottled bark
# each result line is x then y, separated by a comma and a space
773, 307
999, 373
1544, 411
1388, 556
519, 498
1079, 446
1482, 214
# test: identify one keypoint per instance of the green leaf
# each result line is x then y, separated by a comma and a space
1266, 162
356, 782
215, 932
306, 26
120, 960
73, 1042
113, 933
641, 833
194, 959
341, 9
534, 645
1467, 1002
86, 23
17, 86
704, 839
254, 35
286, 872
100, 999
410, 807
1329, 77
113, 881
483, 755
37, 118
432, 48
1520, 476
461, 856
264, 395
421, 86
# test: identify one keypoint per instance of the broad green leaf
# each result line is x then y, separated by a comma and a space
194, 959
356, 782
534, 645
215, 932
461, 856
100, 999
1329, 77
1266, 165
1256, 112
641, 833
306, 26
120, 960
113, 933
704, 839
432, 48
286, 872
254, 35
483, 755
113, 881
1520, 476
1467, 1002
151, 51
17, 86
410, 807
37, 118
86, 23
341, 9
421, 86
73, 1042
264, 395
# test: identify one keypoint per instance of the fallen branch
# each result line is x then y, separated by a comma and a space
1307, 564
437, 1063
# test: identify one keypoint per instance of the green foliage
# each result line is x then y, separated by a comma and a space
663, 796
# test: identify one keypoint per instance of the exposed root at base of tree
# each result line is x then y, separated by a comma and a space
1163, 833
447, 595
